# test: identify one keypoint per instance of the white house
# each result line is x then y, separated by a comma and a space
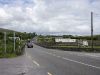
64, 40
85, 43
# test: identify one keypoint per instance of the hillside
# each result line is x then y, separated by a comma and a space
5, 30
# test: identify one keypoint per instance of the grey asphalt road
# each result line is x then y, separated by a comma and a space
16, 66
56, 62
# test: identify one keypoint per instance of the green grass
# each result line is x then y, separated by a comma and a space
76, 48
10, 49
8, 55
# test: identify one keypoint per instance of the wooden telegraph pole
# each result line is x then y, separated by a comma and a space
5, 41
14, 41
92, 31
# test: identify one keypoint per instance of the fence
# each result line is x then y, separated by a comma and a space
73, 46
10, 45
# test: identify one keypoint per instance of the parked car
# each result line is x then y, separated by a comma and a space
29, 45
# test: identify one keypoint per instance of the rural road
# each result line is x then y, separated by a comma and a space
42, 61
56, 62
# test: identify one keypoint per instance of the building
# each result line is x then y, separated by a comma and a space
65, 40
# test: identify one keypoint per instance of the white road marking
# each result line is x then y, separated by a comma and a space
75, 61
35, 63
80, 63
49, 73
32, 60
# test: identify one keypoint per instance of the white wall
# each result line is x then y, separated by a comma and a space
64, 40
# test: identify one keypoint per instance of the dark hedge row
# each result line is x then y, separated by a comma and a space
84, 49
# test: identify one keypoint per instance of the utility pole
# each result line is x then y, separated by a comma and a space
92, 31
5, 41
14, 41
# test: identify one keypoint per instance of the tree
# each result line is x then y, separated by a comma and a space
1, 35
68, 36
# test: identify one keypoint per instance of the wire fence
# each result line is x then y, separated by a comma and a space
11, 44
79, 45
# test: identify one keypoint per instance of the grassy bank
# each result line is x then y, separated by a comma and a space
8, 37
71, 48
76, 48
10, 51
8, 55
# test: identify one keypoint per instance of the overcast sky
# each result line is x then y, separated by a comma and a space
63, 16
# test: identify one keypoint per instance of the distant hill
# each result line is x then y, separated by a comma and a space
6, 30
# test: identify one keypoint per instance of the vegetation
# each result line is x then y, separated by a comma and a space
49, 42
76, 48
45, 40
19, 43
96, 37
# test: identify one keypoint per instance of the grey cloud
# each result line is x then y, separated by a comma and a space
65, 16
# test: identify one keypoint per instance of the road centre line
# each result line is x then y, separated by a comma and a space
80, 63
49, 73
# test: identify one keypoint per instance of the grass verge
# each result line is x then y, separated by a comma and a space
8, 55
